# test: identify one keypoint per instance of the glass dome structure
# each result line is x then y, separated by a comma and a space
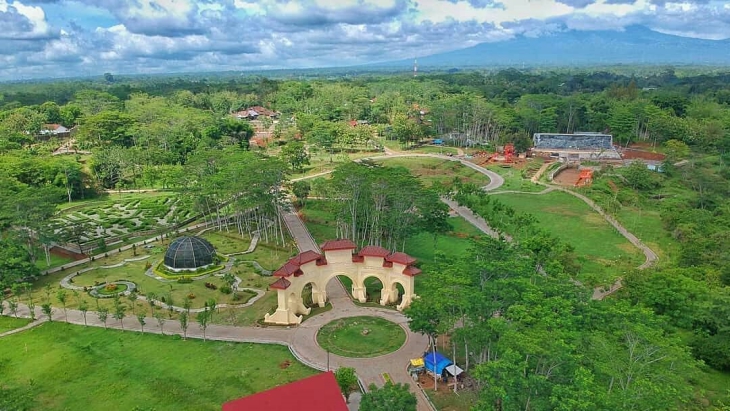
189, 253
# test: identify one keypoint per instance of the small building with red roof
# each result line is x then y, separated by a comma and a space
317, 393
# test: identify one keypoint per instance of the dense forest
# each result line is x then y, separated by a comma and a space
533, 337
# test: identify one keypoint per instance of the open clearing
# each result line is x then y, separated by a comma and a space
68, 367
602, 251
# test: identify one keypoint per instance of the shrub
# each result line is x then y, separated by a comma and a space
184, 280
147, 265
226, 289
191, 296
110, 287
211, 286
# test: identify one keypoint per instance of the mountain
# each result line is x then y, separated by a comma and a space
634, 45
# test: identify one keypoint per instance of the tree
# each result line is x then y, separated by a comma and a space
230, 281
388, 398
203, 319
15, 264
47, 310
676, 150
141, 319
84, 308
133, 300
160, 321
347, 380
13, 307
103, 314
184, 324
301, 190
61, 297
119, 311
295, 154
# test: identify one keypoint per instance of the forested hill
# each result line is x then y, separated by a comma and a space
635, 45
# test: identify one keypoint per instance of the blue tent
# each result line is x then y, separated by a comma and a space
436, 362
438, 141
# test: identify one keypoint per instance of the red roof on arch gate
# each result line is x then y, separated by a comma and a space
373, 251
287, 270
400, 258
316, 393
305, 257
280, 284
340, 244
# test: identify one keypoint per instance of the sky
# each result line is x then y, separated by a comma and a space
61, 38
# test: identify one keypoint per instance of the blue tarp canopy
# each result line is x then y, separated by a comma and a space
436, 362
438, 141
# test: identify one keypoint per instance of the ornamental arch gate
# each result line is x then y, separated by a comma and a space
339, 258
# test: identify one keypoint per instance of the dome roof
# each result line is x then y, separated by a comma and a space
189, 253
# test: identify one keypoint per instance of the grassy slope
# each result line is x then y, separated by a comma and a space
76, 368
10, 323
602, 251
436, 171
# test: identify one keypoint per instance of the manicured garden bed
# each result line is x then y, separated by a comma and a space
361, 337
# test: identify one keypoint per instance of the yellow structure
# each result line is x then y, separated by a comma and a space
340, 258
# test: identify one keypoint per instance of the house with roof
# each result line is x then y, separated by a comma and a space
316, 393
254, 112
56, 130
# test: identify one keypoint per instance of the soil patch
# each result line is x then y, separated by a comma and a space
62, 252
567, 177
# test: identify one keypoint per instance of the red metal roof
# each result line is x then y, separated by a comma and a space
280, 284
288, 269
400, 258
341, 244
305, 257
317, 393
411, 271
373, 251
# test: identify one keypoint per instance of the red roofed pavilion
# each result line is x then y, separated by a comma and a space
316, 393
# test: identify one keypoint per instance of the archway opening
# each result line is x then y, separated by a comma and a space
346, 282
307, 296
399, 291
373, 289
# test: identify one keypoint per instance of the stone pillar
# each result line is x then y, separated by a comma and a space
358, 293
285, 313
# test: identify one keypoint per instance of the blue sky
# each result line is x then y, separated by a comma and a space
55, 38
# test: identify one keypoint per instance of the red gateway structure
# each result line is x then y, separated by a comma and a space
316, 393
310, 267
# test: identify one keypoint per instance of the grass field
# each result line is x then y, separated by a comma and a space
513, 180
602, 251
361, 337
11, 323
66, 367
435, 171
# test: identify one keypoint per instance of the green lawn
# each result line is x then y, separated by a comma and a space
361, 337
11, 323
228, 242
435, 171
602, 251
56, 260
66, 367
513, 180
